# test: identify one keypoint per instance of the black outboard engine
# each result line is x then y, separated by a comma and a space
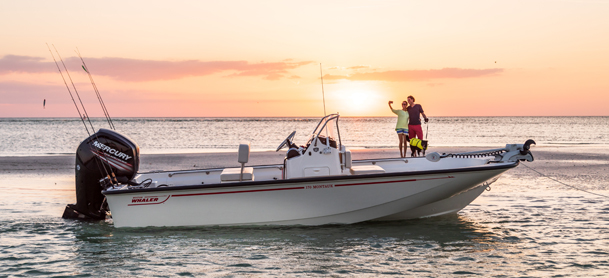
102, 160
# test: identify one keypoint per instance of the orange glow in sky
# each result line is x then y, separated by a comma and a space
262, 58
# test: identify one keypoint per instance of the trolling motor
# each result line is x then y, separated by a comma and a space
511, 153
103, 160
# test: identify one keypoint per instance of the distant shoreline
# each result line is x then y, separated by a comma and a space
545, 157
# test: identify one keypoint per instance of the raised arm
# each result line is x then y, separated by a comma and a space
390, 102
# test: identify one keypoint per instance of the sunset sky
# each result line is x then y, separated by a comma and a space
262, 58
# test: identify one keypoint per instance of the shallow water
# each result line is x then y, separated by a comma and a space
527, 225
518, 229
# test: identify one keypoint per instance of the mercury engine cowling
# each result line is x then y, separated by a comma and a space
105, 158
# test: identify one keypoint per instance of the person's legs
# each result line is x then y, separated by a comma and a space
412, 132
402, 138
420, 132
420, 136
415, 131
413, 153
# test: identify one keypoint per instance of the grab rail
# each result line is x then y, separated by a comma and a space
173, 173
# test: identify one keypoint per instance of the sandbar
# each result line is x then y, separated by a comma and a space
550, 161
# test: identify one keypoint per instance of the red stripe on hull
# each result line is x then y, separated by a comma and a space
287, 188
379, 182
241, 191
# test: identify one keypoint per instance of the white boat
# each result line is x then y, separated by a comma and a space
318, 183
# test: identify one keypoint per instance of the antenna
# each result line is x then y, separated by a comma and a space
322, 88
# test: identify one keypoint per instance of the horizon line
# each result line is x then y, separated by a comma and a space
195, 117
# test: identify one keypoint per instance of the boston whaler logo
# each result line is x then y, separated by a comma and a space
144, 199
111, 151
148, 200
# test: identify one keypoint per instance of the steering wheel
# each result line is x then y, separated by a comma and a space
286, 141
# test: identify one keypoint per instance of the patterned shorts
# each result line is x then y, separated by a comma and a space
402, 131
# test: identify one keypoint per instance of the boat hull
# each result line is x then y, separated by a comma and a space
336, 200
449, 205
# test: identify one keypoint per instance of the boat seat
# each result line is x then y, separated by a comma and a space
234, 174
366, 170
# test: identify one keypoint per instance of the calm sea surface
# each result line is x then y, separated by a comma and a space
526, 226
28, 136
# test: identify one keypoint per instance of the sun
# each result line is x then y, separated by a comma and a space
353, 100
359, 100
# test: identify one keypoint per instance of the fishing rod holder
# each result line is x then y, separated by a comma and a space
106, 183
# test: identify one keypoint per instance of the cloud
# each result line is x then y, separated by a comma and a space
14, 63
135, 70
358, 67
415, 75
270, 71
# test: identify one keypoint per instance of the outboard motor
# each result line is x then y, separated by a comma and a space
102, 160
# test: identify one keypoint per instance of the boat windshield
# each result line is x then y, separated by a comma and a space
327, 128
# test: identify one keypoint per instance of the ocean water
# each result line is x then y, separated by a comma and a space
527, 225
32, 136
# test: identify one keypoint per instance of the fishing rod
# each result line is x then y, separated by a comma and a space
111, 178
322, 88
99, 97
67, 87
83, 107
76, 91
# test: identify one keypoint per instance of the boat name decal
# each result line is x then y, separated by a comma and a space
148, 200
144, 199
111, 151
319, 186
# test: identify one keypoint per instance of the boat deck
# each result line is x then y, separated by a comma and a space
157, 179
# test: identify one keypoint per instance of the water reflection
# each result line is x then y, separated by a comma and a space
373, 247
516, 237
442, 230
